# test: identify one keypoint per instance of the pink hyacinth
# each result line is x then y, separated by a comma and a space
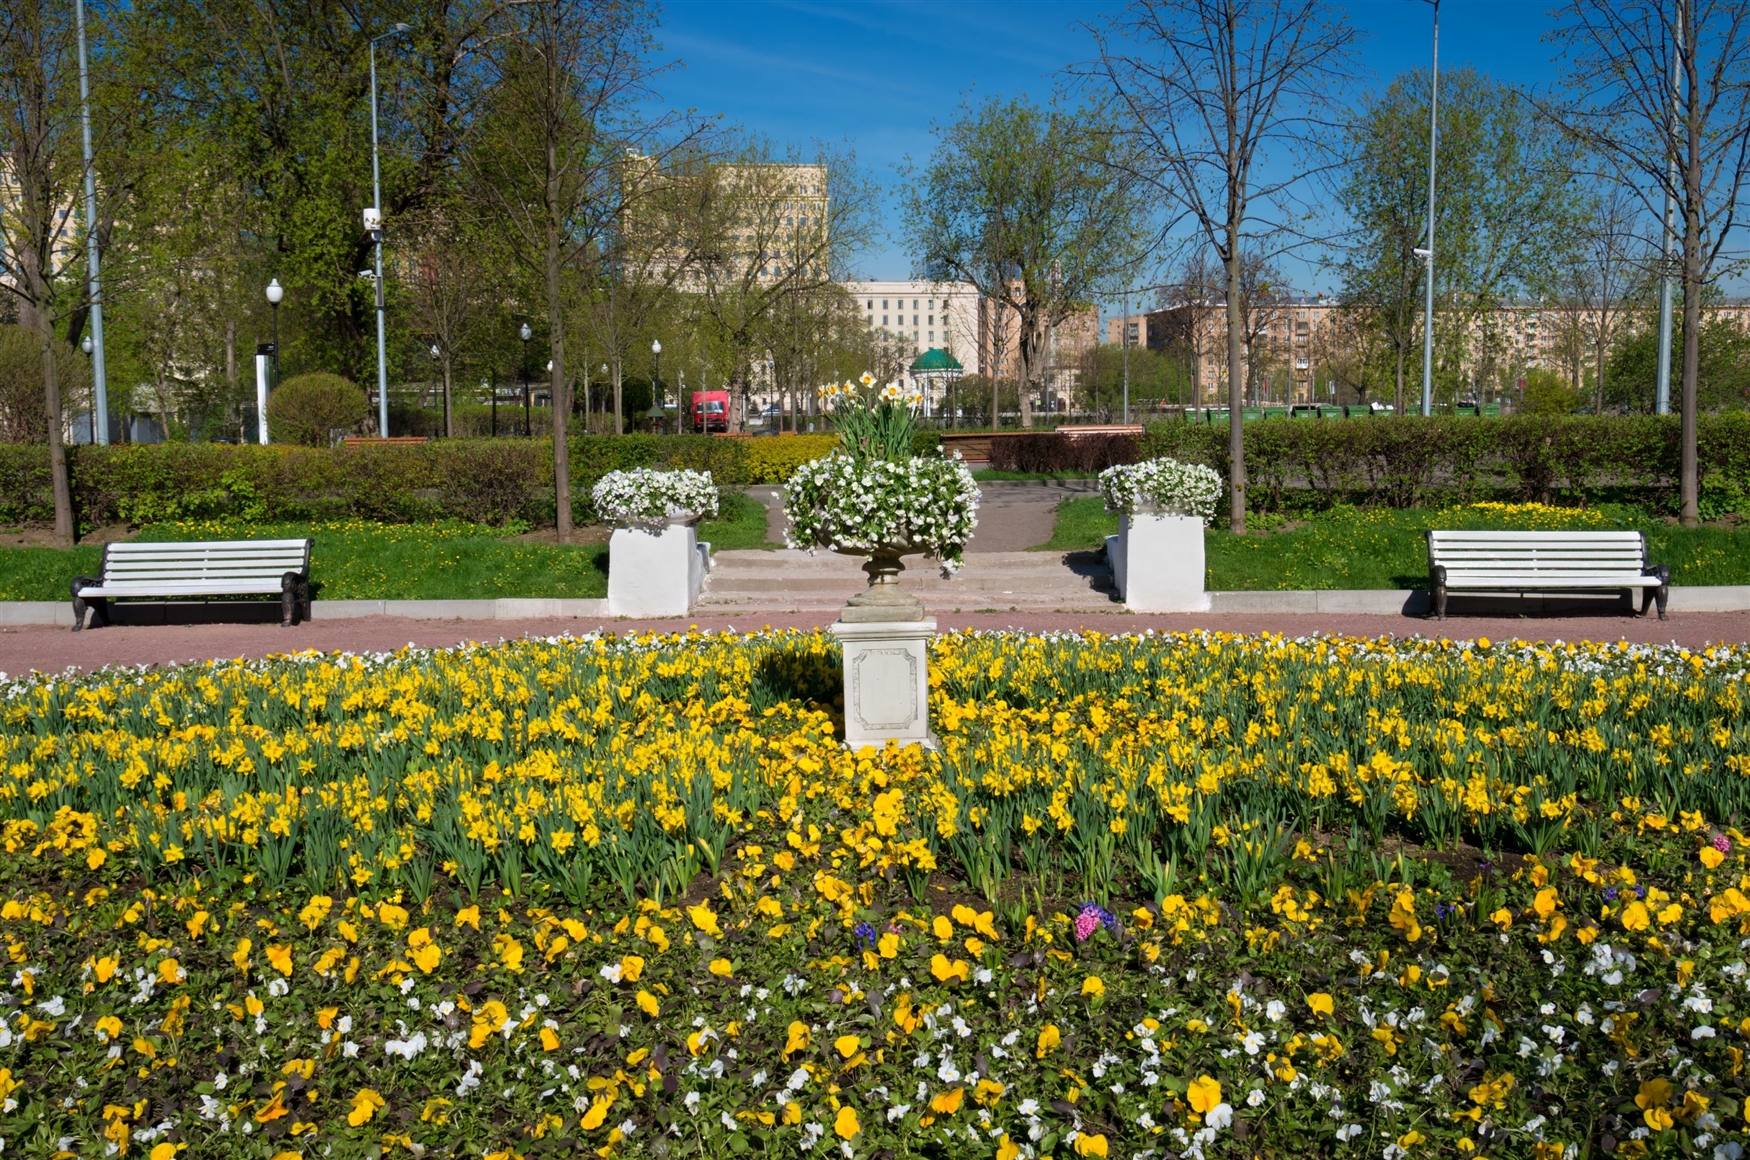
1087, 922
1722, 843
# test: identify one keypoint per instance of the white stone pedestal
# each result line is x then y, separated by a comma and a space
1157, 563
656, 573
887, 682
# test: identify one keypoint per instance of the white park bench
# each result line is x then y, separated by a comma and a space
215, 568
1522, 562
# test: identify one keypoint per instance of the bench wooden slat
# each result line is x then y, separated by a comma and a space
168, 570
1516, 561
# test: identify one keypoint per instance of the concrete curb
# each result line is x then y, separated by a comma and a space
1374, 602
60, 612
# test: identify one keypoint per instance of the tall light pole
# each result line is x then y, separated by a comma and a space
656, 413
523, 370
1124, 335
1433, 146
1662, 384
374, 223
99, 379
275, 292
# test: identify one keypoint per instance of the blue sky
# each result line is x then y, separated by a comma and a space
876, 75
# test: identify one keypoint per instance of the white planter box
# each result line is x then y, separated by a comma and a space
887, 682
1157, 563
656, 573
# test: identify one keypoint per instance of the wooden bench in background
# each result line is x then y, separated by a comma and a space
1521, 562
184, 570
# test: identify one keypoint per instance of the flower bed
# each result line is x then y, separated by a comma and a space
1206, 895
841, 503
643, 497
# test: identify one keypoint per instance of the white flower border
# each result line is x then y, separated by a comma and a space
849, 506
643, 497
1166, 485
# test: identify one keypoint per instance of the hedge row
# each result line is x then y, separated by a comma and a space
1415, 462
1408, 462
483, 480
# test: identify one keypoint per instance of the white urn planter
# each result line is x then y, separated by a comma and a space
1157, 562
1157, 555
656, 562
656, 572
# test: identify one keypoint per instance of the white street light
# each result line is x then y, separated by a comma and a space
99, 377
275, 292
85, 344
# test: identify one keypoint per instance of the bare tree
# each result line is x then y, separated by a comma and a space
1229, 101
448, 308
566, 77
1689, 141
776, 229
1263, 307
1033, 206
1607, 276
40, 254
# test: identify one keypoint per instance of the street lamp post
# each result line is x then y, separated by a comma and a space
99, 378
374, 223
275, 292
1428, 301
523, 367
656, 413
85, 345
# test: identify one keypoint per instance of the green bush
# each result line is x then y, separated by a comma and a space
1546, 394
1292, 465
22, 414
306, 409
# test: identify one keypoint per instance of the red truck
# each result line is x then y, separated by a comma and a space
710, 411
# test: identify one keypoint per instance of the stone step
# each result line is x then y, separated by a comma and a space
790, 580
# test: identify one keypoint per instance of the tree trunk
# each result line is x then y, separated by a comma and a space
619, 414
1400, 403
230, 365
1689, 476
57, 450
1024, 395
556, 376
1236, 436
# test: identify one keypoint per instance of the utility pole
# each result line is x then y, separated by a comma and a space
1124, 337
374, 223
99, 378
1662, 385
1433, 147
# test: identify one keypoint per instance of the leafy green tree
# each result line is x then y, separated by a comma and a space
1035, 206
1685, 137
1155, 378
1722, 365
1504, 209
1546, 394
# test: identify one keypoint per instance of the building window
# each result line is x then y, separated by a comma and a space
932, 336
884, 304
871, 304
884, 320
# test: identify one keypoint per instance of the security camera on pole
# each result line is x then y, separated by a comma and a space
374, 226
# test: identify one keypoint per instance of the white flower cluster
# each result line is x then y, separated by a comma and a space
917, 505
1166, 485
645, 498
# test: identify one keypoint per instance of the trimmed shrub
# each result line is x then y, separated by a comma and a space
1088, 454
1291, 465
774, 459
305, 409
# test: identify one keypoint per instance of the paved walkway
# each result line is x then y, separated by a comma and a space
52, 649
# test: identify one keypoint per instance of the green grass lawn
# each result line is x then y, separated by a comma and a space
1386, 548
359, 560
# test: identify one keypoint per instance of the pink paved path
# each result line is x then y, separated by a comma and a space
53, 649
